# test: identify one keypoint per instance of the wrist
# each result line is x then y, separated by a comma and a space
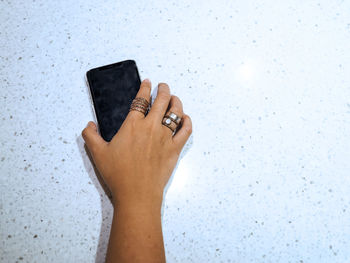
135, 212
139, 206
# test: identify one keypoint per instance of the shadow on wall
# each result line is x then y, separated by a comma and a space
105, 199
105, 195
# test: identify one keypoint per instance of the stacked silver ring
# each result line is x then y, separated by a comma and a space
171, 121
140, 104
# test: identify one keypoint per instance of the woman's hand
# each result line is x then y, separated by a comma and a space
137, 163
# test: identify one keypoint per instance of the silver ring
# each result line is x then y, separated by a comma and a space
174, 117
167, 122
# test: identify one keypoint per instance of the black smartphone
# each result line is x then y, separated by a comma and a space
112, 89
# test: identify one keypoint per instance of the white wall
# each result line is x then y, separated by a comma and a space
265, 176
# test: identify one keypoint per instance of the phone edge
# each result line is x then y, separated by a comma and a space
91, 102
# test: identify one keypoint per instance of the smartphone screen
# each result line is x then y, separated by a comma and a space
112, 88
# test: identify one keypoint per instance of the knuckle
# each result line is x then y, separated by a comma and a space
189, 119
188, 130
188, 126
176, 110
84, 133
177, 99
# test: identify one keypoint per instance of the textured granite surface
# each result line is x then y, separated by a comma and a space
266, 174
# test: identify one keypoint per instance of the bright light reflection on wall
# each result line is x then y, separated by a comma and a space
180, 178
247, 72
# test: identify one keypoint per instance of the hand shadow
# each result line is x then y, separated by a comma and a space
105, 199
184, 151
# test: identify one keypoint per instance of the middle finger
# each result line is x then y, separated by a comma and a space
161, 103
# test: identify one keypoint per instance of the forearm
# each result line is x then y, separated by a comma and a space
136, 235
136, 166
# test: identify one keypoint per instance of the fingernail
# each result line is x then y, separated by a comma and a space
147, 80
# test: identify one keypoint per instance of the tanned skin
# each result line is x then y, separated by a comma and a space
136, 165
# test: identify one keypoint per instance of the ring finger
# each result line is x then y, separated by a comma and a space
175, 106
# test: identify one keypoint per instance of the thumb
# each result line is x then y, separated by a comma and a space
92, 139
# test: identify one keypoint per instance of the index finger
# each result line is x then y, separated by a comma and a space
145, 93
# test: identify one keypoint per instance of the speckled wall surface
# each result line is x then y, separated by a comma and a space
265, 176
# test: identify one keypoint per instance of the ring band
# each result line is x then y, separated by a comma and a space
170, 118
138, 109
167, 122
141, 99
174, 117
140, 104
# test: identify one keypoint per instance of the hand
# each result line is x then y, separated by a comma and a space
137, 163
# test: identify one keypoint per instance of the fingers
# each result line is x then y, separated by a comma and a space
181, 136
92, 139
144, 92
175, 106
161, 103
